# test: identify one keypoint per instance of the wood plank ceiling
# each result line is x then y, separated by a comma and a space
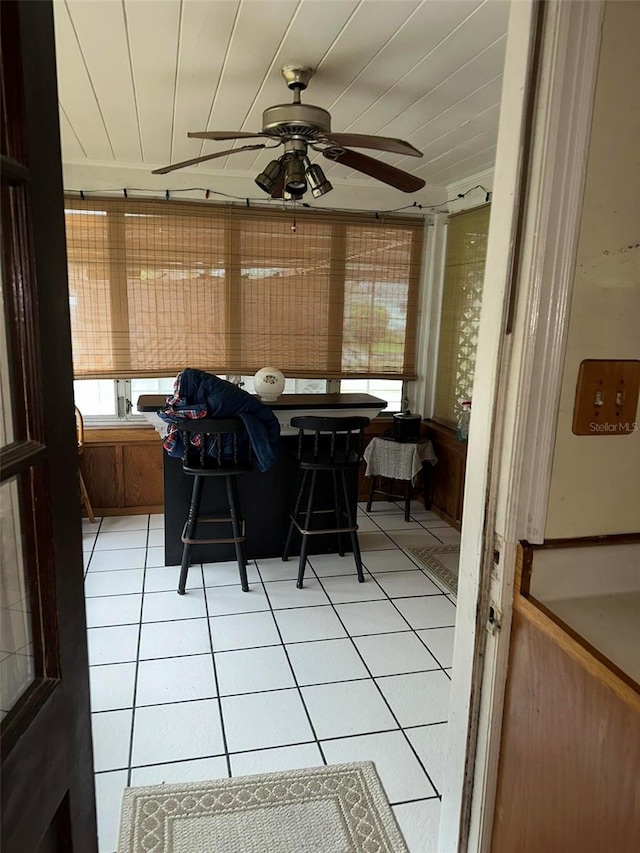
135, 75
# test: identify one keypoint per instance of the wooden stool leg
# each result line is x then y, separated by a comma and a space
305, 539
84, 496
354, 533
190, 531
407, 500
236, 525
296, 510
338, 511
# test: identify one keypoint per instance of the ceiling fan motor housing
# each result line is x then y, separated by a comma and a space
304, 120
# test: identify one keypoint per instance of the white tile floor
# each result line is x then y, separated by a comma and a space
219, 682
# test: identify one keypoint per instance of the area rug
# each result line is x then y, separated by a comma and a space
441, 563
341, 808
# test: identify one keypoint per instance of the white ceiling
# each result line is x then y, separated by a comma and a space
135, 75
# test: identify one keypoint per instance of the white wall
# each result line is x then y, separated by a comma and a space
595, 486
474, 196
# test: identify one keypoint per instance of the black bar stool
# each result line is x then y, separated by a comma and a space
222, 450
335, 447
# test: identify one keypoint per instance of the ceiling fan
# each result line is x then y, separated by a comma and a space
300, 127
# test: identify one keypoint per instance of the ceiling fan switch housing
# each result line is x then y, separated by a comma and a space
288, 119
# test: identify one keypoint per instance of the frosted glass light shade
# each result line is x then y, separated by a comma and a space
269, 384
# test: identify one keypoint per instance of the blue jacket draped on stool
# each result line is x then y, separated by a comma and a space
203, 395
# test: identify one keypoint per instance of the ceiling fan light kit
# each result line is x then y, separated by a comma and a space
298, 127
268, 179
317, 181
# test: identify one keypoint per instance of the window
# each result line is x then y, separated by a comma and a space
461, 303
391, 390
105, 399
291, 386
96, 397
156, 286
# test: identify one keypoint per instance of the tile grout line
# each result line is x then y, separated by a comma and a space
267, 645
295, 677
384, 698
93, 546
137, 666
267, 689
225, 744
270, 748
396, 547
415, 630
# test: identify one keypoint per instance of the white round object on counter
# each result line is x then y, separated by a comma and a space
269, 384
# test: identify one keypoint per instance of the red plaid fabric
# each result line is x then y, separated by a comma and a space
175, 411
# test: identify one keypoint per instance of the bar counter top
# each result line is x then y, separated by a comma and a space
285, 407
153, 402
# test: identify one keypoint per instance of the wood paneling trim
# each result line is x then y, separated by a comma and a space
123, 474
121, 435
122, 469
445, 486
589, 658
106, 511
584, 541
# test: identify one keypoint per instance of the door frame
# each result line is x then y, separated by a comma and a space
519, 369
47, 767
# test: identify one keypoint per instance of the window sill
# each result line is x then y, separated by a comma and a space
106, 422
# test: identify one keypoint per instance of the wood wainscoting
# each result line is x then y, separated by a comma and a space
570, 745
122, 469
445, 486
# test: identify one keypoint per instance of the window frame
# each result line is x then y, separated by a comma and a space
127, 416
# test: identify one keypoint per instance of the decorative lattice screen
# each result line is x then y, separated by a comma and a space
461, 303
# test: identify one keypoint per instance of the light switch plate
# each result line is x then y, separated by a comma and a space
607, 397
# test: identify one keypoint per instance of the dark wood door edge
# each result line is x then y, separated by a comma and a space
585, 541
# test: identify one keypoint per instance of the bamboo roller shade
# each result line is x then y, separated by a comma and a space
159, 285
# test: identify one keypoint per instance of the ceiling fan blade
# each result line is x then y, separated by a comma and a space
224, 134
194, 160
375, 169
382, 143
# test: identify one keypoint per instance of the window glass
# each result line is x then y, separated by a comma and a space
16, 647
151, 386
292, 386
386, 389
95, 396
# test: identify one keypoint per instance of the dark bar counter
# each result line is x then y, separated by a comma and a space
266, 497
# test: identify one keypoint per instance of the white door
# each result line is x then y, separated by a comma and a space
549, 80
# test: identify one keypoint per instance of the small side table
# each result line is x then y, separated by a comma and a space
396, 460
